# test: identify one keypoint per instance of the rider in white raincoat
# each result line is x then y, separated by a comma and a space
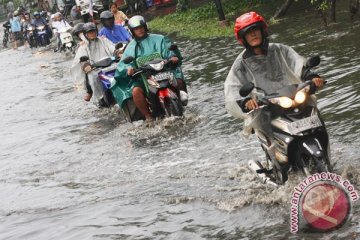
95, 49
267, 66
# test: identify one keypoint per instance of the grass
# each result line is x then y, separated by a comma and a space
202, 22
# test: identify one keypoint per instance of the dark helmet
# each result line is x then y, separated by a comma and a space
88, 27
247, 21
107, 19
78, 28
137, 21
36, 14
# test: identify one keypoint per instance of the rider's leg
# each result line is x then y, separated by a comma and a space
15, 36
89, 91
181, 85
140, 102
58, 41
182, 91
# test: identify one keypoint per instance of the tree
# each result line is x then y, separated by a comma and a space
282, 10
182, 5
354, 8
322, 6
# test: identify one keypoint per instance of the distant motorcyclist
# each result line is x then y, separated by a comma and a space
115, 33
94, 49
39, 21
25, 24
27, 19
269, 66
78, 33
145, 44
120, 17
58, 24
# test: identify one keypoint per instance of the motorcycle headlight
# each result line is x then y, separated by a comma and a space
284, 102
300, 97
157, 66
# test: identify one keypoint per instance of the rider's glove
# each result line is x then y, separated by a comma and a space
118, 53
86, 67
242, 104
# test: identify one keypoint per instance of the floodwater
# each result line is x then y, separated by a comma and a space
69, 170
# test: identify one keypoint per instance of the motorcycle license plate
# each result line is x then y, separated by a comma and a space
305, 124
163, 76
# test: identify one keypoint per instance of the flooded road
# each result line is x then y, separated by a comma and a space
69, 170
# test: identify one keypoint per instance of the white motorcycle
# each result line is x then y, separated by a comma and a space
67, 41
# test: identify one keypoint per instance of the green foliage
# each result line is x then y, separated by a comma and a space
322, 4
202, 22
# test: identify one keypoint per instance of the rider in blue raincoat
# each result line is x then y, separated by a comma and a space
115, 33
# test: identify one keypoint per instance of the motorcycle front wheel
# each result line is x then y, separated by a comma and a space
174, 107
319, 165
5, 41
280, 173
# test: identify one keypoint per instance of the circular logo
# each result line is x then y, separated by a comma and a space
325, 206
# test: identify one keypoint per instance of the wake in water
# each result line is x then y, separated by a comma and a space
162, 130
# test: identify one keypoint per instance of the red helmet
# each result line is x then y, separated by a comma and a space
247, 21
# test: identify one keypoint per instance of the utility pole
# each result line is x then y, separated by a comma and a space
222, 20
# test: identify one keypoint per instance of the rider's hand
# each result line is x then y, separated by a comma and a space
118, 53
87, 69
174, 60
251, 104
130, 71
318, 81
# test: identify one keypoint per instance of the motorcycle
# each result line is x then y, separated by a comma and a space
106, 68
42, 35
67, 41
160, 85
89, 9
295, 137
7, 31
30, 35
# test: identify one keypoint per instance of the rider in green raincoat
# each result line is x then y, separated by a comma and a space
143, 46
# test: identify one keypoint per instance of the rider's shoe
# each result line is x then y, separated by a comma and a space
183, 98
87, 97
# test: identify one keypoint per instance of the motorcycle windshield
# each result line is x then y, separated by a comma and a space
287, 91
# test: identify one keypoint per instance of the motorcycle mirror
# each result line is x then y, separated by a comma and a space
173, 47
246, 89
84, 58
128, 59
313, 61
104, 62
119, 45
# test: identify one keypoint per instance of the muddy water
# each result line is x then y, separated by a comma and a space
69, 170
